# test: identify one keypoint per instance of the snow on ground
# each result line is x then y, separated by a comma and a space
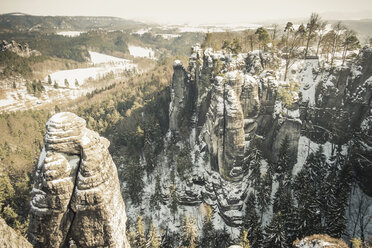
142, 31
19, 99
306, 146
308, 83
99, 58
70, 33
106, 64
142, 52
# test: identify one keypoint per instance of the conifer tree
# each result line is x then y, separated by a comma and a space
131, 234
285, 164
154, 240
264, 193
173, 205
189, 233
255, 167
337, 190
67, 84
311, 29
275, 234
223, 238
243, 239
208, 232
50, 80
252, 223
133, 176
140, 240
263, 37
157, 197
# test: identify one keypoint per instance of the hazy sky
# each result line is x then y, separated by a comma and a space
191, 11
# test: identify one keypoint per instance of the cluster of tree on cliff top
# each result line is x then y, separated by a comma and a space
311, 40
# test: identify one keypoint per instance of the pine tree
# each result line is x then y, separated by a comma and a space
338, 186
174, 200
244, 242
133, 175
255, 167
76, 83
264, 193
275, 234
67, 84
154, 240
263, 37
311, 29
131, 234
173, 205
189, 233
140, 239
50, 80
223, 238
285, 164
157, 197
284, 203
252, 223
208, 232
310, 193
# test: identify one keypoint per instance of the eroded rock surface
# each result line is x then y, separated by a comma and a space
10, 238
76, 198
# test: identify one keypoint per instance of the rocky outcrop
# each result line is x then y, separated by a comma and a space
19, 49
179, 94
230, 100
319, 241
10, 238
224, 132
227, 101
76, 197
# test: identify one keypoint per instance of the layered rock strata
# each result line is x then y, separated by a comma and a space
76, 197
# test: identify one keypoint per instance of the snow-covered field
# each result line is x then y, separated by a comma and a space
103, 64
99, 58
142, 52
70, 33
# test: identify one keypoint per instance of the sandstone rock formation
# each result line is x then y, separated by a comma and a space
76, 198
19, 49
319, 241
10, 238
229, 101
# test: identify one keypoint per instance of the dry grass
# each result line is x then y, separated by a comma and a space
2, 94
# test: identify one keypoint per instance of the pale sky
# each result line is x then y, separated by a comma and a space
191, 11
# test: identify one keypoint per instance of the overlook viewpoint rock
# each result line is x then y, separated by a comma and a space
76, 199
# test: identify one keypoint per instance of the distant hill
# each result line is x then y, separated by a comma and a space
21, 22
362, 27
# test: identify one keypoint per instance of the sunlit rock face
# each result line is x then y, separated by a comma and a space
76, 198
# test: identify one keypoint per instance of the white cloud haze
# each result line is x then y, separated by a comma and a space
191, 11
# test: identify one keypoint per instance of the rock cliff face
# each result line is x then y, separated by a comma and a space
10, 238
229, 103
76, 198
233, 101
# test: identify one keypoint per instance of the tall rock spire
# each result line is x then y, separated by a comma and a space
76, 198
